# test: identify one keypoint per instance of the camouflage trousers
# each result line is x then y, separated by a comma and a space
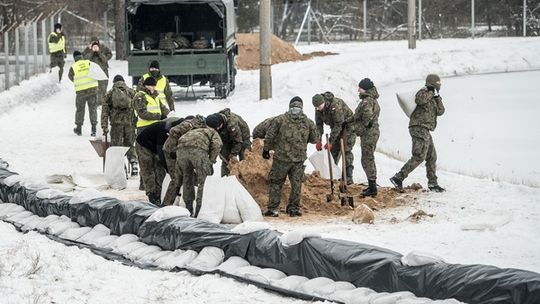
368, 143
349, 140
226, 153
57, 60
279, 172
422, 150
124, 135
152, 172
80, 104
102, 90
193, 167
173, 190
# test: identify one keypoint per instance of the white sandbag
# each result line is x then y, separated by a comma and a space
231, 214
115, 174
247, 206
232, 264
407, 102
319, 160
392, 298
96, 72
47, 221
83, 181
249, 227
415, 301
33, 223
359, 295
297, 236
265, 275
328, 290
151, 258
26, 220
105, 241
12, 180
49, 193
128, 248
312, 286
11, 210
208, 259
97, 232
167, 261
447, 301
291, 282
183, 259
242, 271
59, 227
418, 258
16, 217
74, 233
167, 212
213, 202
165, 185
140, 253
85, 195
123, 240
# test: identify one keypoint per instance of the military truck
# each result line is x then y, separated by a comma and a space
193, 40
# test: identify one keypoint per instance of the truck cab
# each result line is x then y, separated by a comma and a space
193, 40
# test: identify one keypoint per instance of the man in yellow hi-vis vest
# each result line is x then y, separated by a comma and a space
57, 49
86, 89
162, 84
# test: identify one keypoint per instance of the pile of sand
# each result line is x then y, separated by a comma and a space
282, 51
252, 172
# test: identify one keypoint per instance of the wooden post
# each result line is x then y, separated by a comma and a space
411, 27
265, 51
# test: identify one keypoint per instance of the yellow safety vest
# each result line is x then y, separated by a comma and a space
152, 106
58, 46
81, 81
160, 87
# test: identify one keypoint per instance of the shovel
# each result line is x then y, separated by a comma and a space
330, 197
100, 147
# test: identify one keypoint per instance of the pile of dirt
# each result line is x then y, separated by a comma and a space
282, 51
252, 172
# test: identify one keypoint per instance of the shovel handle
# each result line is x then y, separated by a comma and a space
330, 168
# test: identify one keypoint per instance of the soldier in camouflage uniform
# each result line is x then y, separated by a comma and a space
197, 152
57, 49
100, 54
244, 129
366, 118
423, 120
86, 93
261, 129
334, 112
288, 136
170, 148
117, 109
231, 135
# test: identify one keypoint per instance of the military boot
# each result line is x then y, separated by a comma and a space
77, 130
371, 190
397, 182
436, 188
349, 173
155, 199
134, 168
93, 131
189, 207
271, 212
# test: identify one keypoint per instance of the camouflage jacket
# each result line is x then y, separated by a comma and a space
366, 115
336, 114
100, 57
140, 103
171, 144
428, 107
244, 128
206, 139
261, 129
288, 135
167, 91
231, 136
117, 116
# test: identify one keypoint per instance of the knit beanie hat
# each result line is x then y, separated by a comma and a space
57, 26
118, 78
150, 81
154, 64
432, 79
317, 100
214, 120
77, 55
296, 102
366, 84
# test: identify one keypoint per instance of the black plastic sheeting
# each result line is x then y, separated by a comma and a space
363, 265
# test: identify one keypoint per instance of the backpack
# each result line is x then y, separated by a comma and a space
120, 99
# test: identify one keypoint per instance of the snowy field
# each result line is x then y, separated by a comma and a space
493, 113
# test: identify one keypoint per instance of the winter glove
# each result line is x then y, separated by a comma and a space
328, 146
430, 88
318, 146
266, 154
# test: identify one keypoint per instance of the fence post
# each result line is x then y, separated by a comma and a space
17, 57
26, 51
472, 19
43, 46
35, 45
6, 63
364, 20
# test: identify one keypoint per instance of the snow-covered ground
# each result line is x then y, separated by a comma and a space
37, 140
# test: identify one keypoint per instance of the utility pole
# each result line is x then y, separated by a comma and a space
472, 19
120, 29
524, 18
365, 21
265, 50
411, 25
419, 19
